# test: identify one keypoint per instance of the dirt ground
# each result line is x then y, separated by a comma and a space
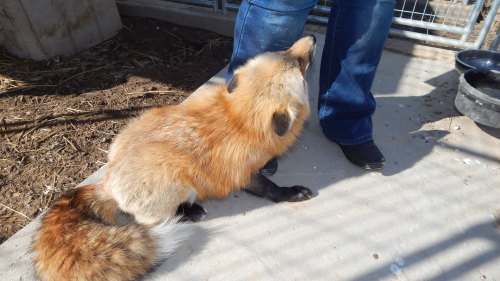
58, 117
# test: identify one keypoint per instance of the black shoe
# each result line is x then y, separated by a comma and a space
365, 155
270, 168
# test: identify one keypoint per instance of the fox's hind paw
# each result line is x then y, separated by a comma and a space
191, 212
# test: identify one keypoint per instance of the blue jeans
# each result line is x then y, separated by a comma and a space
355, 37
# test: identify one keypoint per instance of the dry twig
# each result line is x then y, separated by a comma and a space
70, 143
17, 212
150, 92
151, 57
83, 72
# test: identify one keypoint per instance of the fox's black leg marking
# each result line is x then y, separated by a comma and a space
265, 188
191, 212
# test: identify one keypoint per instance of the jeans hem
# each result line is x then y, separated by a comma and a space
355, 141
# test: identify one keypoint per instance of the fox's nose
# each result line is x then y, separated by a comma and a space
303, 46
303, 50
313, 38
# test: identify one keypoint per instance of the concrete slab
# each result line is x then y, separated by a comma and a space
432, 214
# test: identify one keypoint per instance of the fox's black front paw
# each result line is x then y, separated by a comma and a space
297, 193
191, 212
263, 187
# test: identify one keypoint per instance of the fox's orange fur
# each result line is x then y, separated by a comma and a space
206, 147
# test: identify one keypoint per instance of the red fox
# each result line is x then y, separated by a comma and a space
206, 147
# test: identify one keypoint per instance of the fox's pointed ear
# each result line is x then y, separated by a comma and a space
281, 123
232, 84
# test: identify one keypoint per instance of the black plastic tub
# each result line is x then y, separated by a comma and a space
477, 59
479, 96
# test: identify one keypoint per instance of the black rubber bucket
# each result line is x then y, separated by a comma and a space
479, 96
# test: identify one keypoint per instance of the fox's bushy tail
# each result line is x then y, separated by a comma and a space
80, 239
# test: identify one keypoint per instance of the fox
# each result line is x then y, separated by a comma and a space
171, 158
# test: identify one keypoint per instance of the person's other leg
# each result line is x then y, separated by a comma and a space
263, 25
355, 37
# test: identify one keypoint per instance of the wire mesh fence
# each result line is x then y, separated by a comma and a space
451, 22
456, 23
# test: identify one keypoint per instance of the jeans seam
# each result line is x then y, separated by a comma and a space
337, 16
243, 24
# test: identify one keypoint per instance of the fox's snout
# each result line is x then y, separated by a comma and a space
303, 50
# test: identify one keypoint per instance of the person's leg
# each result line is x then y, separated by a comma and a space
263, 25
355, 37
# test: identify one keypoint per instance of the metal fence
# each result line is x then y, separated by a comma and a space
458, 23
